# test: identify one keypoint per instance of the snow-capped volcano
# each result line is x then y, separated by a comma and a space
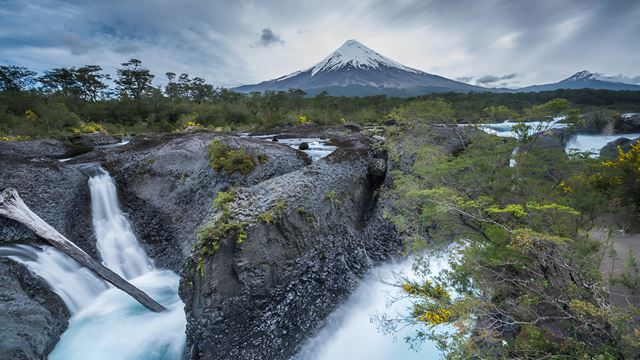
355, 69
354, 54
583, 75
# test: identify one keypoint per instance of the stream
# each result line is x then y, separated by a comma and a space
106, 323
351, 332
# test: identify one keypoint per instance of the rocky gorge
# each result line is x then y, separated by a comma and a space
313, 229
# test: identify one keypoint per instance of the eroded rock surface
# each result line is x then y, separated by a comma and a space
261, 298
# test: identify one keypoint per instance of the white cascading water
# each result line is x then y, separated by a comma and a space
116, 243
106, 323
350, 332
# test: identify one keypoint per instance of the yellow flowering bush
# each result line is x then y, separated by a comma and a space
303, 119
436, 316
88, 128
14, 138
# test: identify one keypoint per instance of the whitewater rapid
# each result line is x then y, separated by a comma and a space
106, 323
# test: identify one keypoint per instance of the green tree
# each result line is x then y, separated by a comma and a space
91, 82
134, 80
171, 89
424, 112
16, 78
61, 80
498, 113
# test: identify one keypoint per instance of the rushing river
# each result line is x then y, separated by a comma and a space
352, 332
106, 323
586, 143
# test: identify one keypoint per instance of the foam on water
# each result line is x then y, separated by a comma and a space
594, 143
351, 333
106, 323
318, 148
117, 245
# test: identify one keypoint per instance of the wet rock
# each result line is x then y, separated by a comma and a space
610, 151
352, 127
262, 298
628, 123
32, 317
94, 139
303, 146
39, 149
552, 139
166, 185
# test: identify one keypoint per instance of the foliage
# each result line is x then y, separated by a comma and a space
134, 80
224, 157
269, 217
306, 215
621, 176
14, 138
211, 235
303, 120
420, 112
15, 78
88, 128
66, 96
332, 196
526, 263
498, 113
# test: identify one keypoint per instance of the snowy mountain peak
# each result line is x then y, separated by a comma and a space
582, 75
355, 54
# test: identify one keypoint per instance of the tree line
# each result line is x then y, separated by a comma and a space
56, 102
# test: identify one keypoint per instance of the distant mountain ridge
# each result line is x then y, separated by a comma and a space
356, 70
581, 80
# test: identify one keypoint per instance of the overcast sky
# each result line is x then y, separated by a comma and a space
492, 43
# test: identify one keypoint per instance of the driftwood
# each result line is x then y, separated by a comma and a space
12, 207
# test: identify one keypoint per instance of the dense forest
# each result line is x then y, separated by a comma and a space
68, 100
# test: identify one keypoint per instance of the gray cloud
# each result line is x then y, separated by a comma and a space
490, 79
464, 79
127, 48
542, 41
620, 78
77, 44
268, 38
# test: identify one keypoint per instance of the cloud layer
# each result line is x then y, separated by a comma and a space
245, 41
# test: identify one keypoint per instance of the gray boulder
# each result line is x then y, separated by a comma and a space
628, 123
610, 151
32, 318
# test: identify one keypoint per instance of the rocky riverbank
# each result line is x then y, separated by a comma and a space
271, 292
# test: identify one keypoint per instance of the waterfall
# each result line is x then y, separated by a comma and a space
75, 285
116, 243
106, 323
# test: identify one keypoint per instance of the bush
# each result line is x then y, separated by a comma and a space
224, 157
88, 128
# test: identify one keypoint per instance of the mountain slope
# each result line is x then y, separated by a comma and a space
581, 80
354, 69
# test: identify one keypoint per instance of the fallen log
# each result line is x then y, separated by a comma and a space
12, 207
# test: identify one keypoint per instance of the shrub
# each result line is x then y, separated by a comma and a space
88, 128
623, 175
333, 197
224, 157
14, 138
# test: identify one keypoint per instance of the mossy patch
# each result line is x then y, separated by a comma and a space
224, 157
